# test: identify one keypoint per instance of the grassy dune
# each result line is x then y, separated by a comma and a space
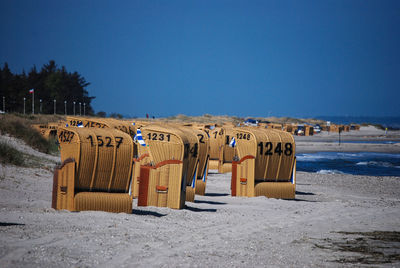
224, 119
19, 126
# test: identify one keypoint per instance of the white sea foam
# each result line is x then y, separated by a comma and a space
377, 164
315, 157
330, 171
350, 163
311, 157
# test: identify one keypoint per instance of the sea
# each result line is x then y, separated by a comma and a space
364, 163
392, 122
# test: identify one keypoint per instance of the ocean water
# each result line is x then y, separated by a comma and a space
369, 142
387, 121
365, 163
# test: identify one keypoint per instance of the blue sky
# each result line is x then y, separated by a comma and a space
242, 58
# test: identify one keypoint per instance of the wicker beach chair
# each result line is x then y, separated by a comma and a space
193, 159
265, 165
203, 156
308, 130
128, 127
216, 142
162, 182
288, 128
96, 170
227, 152
46, 130
274, 126
138, 161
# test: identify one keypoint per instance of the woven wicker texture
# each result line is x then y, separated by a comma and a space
138, 161
200, 187
203, 180
287, 156
103, 157
110, 202
190, 193
74, 121
266, 155
70, 147
204, 150
103, 160
245, 177
123, 152
284, 190
162, 143
308, 130
216, 143
164, 183
288, 128
122, 125
203, 167
227, 152
274, 126
46, 130
191, 152
202, 156
63, 186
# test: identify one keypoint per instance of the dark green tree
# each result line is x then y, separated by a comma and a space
51, 83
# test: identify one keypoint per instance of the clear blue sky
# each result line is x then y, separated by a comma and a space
243, 58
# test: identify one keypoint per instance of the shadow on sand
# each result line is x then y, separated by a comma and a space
304, 193
200, 209
209, 202
147, 213
11, 224
301, 200
216, 194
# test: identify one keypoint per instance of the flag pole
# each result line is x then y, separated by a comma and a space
33, 102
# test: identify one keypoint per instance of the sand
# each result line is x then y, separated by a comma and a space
335, 220
369, 139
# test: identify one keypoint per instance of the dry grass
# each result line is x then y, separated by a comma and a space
224, 119
19, 126
10, 155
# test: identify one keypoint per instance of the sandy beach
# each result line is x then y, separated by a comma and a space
369, 139
335, 221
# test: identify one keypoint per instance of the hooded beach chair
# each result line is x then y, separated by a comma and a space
128, 127
266, 164
199, 183
193, 159
163, 180
204, 156
274, 126
138, 160
227, 152
216, 134
308, 130
288, 128
46, 130
96, 170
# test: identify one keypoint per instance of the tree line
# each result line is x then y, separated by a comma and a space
51, 83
